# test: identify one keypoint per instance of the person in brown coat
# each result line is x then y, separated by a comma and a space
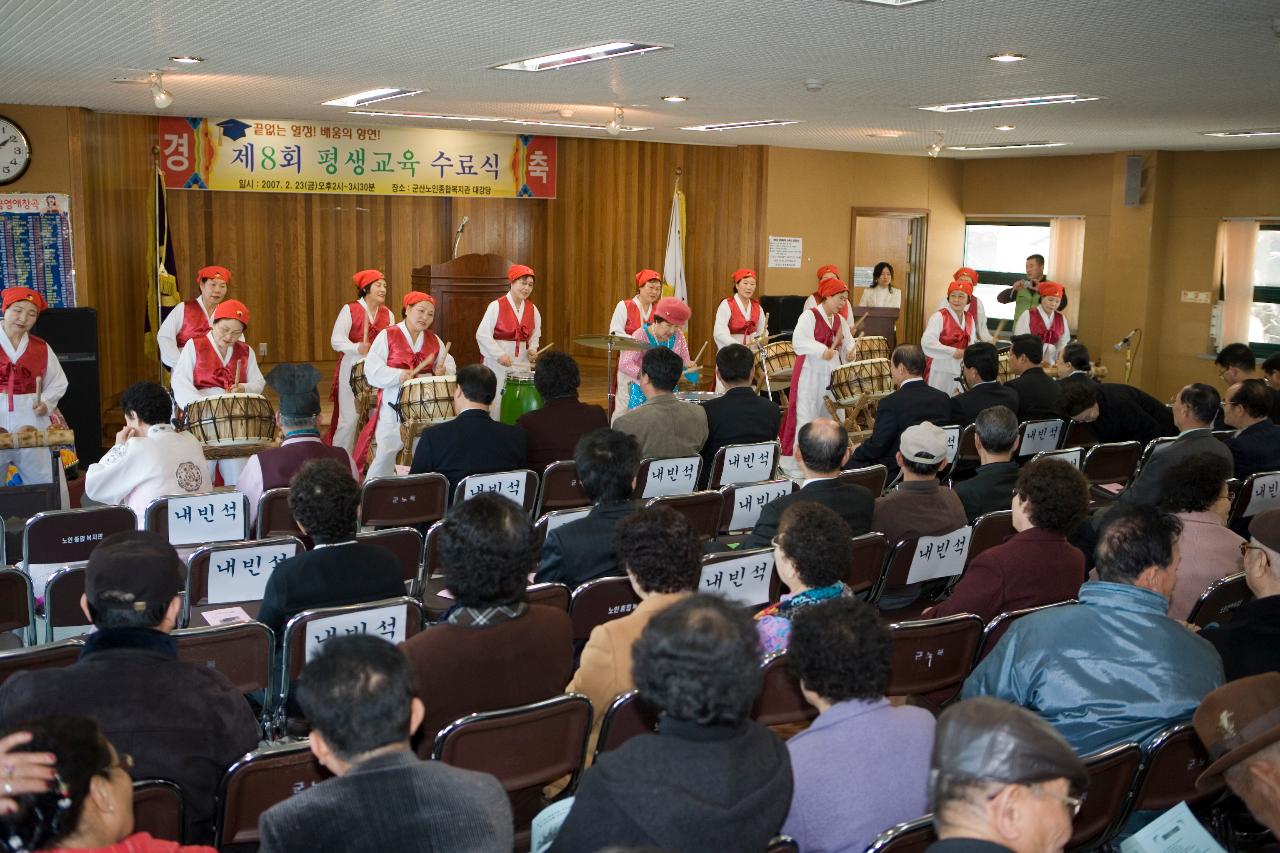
492, 649
553, 431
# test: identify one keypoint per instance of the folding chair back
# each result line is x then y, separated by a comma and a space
259, 780
405, 544
743, 463
675, 476
157, 809
1220, 601
430, 552
555, 595
1112, 464
45, 656
1073, 456
561, 488
870, 550
242, 652
17, 605
68, 536
782, 844
627, 716
1174, 758
1079, 435
403, 501
742, 504
1037, 435
599, 601
932, 655
1111, 775
989, 531
239, 559
780, 701
999, 626
701, 509
943, 557
520, 486
911, 837
274, 517
967, 448
1154, 448
1257, 493
558, 518
62, 595
871, 478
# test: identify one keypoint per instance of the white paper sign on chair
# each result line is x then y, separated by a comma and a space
940, 556
241, 574
744, 580
1040, 435
747, 463
749, 501
509, 484
1265, 493
200, 519
953, 442
386, 622
564, 516
676, 476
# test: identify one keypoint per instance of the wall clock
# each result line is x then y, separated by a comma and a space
15, 151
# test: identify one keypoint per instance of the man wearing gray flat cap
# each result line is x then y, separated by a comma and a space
1002, 780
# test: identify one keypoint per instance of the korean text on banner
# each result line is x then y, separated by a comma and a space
744, 580
197, 520
385, 622
263, 155
241, 574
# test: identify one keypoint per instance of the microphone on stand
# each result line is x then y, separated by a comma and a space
457, 237
1124, 343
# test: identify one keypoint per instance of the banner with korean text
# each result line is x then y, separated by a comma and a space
251, 155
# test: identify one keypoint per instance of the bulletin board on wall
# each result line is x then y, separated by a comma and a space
35, 245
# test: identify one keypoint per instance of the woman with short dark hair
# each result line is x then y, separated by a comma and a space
1196, 492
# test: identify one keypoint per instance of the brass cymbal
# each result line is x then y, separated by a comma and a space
619, 343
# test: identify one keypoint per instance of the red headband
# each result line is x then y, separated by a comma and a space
413, 297
672, 310
232, 309
1050, 288
214, 272
966, 272
518, 271
739, 275
829, 287
828, 268
364, 278
645, 276
23, 294
960, 285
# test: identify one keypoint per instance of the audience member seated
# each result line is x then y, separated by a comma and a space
150, 459
1037, 391
1116, 412
660, 553
582, 550
919, 506
464, 446
914, 402
89, 806
840, 652
1237, 724
995, 434
1193, 413
1271, 371
492, 649
1075, 364
1114, 667
740, 416
811, 554
981, 369
180, 721
1250, 642
1196, 492
1237, 363
1036, 565
710, 779
299, 406
1002, 780
553, 431
664, 426
1256, 445
324, 499
358, 694
822, 447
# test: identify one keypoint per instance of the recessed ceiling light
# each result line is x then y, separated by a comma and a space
574, 126
430, 116
359, 99
674, 99
741, 125
1244, 134
894, 2
1002, 103
1009, 145
187, 60
885, 134
580, 55
1005, 127
1006, 57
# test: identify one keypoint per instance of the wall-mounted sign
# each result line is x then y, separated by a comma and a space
785, 252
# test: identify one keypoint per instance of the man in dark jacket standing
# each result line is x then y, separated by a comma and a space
741, 416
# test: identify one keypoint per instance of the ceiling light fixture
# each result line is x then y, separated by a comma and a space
1002, 103
1007, 146
1007, 57
160, 96
741, 125
187, 60
580, 55
894, 2
430, 116
1005, 127
885, 134
674, 99
615, 126
573, 126
1243, 134
371, 96
936, 148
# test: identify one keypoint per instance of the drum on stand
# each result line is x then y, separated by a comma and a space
1003, 371
858, 386
867, 347
518, 396
230, 426
366, 396
424, 402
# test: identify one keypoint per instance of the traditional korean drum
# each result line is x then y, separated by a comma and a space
366, 395
779, 359
870, 346
427, 399
519, 396
856, 380
1003, 372
230, 420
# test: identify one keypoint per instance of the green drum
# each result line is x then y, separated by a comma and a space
519, 396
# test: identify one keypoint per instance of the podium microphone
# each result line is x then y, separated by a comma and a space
457, 237
1124, 343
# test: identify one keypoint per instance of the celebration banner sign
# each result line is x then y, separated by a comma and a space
318, 157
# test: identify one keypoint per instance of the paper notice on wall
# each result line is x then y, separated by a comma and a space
785, 253
862, 276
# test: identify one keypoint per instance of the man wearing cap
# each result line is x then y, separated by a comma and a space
1239, 725
509, 331
354, 330
1250, 642
31, 383
1114, 667
296, 417
1002, 780
179, 721
914, 402
193, 318
150, 458
629, 317
664, 426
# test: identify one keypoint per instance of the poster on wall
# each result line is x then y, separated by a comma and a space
255, 155
35, 245
785, 252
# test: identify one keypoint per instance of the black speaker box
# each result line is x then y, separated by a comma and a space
73, 335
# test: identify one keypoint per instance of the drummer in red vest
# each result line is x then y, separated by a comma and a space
739, 318
821, 339
629, 316
399, 353
949, 331
192, 318
31, 383
352, 336
825, 272
509, 331
219, 362
1046, 321
976, 311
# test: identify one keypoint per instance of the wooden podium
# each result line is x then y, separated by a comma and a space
463, 289
880, 321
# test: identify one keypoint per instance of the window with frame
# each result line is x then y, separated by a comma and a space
998, 251
1264, 309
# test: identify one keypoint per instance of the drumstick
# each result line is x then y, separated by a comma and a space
237, 382
441, 356
698, 357
1000, 328
39, 388
544, 349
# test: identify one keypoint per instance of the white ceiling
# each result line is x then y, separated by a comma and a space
1168, 69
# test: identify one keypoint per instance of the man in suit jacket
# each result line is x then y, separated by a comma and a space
553, 431
582, 550
1256, 445
466, 445
358, 694
1075, 364
741, 416
664, 426
324, 500
1193, 413
991, 487
981, 367
1236, 363
1116, 412
821, 449
1037, 392
914, 402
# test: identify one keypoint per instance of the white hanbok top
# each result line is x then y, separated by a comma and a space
185, 391
1022, 326
381, 375
162, 462
720, 331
